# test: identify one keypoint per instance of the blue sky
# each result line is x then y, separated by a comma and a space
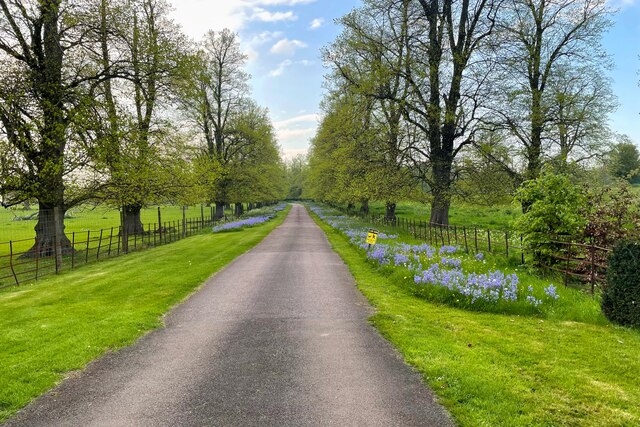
283, 39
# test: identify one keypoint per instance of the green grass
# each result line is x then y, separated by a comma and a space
575, 302
460, 214
82, 219
59, 324
505, 370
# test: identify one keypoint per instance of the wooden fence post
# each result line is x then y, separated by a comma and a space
99, 245
13, 271
489, 239
110, 242
159, 227
57, 238
466, 243
86, 254
119, 238
475, 237
73, 250
184, 222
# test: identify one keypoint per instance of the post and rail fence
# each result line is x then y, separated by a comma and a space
26, 260
585, 263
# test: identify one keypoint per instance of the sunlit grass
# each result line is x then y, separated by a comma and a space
460, 214
61, 323
493, 369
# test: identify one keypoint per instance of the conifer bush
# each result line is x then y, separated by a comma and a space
621, 297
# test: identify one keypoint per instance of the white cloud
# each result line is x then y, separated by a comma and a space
294, 133
290, 153
283, 2
263, 15
199, 16
287, 47
285, 135
306, 118
280, 69
265, 37
316, 23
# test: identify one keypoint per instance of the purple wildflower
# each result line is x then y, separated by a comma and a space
448, 249
552, 292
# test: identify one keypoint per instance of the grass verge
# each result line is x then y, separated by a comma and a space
60, 324
505, 370
460, 214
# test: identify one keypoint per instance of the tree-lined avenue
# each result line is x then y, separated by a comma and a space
280, 337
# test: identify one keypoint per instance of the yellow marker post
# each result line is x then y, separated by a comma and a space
372, 237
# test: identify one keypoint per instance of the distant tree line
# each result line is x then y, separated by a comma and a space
436, 99
109, 101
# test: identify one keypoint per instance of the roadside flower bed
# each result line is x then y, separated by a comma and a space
250, 221
446, 273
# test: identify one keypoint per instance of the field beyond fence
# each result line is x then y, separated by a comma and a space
26, 260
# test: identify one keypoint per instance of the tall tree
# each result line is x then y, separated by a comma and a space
215, 94
297, 169
366, 58
457, 35
43, 96
624, 161
551, 90
148, 50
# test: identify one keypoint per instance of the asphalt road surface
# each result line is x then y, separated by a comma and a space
278, 338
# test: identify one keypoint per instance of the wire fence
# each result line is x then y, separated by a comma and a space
577, 262
53, 250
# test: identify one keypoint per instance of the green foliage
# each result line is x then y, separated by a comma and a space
554, 210
621, 297
612, 214
353, 159
484, 175
297, 170
624, 162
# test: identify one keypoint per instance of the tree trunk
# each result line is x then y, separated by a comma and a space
390, 213
132, 222
250, 207
239, 209
45, 233
441, 191
364, 208
351, 207
219, 210
440, 209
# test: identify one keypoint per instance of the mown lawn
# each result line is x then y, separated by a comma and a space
505, 370
81, 219
495, 217
59, 324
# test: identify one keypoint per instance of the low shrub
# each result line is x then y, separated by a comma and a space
621, 297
